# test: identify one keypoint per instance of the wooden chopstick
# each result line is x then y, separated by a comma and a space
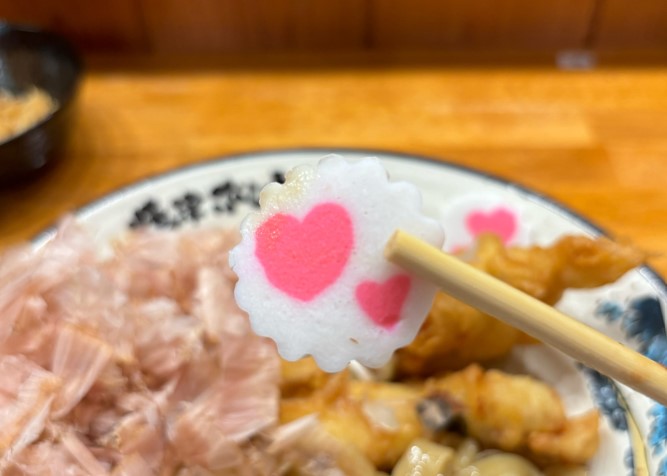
496, 298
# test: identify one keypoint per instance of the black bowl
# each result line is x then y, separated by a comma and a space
33, 58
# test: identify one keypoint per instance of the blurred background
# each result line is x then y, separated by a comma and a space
568, 97
215, 26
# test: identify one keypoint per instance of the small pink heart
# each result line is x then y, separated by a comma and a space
500, 221
302, 259
382, 302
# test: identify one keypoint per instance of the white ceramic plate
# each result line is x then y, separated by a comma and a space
220, 192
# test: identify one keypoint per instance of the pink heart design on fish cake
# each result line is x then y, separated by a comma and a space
302, 259
382, 302
500, 221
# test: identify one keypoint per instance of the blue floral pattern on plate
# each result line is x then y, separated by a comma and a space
642, 320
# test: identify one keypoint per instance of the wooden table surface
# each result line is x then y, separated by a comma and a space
595, 140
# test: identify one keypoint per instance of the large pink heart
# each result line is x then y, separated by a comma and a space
302, 259
382, 302
499, 221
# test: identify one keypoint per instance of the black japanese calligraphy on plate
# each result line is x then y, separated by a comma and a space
193, 206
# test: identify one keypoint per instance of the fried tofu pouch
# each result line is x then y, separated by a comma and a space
508, 412
455, 334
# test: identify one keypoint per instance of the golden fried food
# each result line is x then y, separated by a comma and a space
512, 413
316, 452
507, 412
575, 444
452, 336
301, 377
455, 334
518, 414
376, 417
573, 262
500, 410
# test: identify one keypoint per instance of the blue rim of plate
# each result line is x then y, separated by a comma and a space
656, 282
553, 205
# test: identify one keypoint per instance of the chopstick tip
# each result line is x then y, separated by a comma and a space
392, 245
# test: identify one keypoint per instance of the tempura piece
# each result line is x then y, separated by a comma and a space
576, 262
502, 411
307, 449
575, 444
518, 414
301, 377
376, 417
455, 334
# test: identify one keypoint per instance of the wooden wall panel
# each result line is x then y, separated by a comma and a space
93, 26
480, 24
254, 25
212, 26
639, 24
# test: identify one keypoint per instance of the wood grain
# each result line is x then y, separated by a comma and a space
111, 25
631, 25
218, 26
254, 25
595, 140
471, 24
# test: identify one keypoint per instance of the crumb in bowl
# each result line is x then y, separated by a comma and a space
20, 112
